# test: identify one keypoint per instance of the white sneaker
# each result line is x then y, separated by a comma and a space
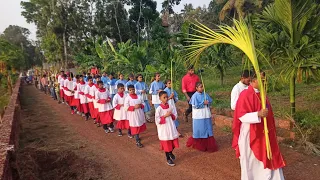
106, 131
83, 115
111, 130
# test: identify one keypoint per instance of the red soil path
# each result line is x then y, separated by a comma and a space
119, 158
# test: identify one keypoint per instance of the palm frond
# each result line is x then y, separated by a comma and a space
241, 37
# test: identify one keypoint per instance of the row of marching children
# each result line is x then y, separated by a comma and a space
107, 100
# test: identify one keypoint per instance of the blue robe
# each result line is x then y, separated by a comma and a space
129, 83
173, 101
111, 85
139, 86
104, 79
124, 82
201, 115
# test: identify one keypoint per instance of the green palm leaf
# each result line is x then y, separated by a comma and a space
240, 36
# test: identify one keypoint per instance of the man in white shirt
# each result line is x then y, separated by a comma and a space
239, 87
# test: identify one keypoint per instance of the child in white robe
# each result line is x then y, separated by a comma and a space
172, 100
168, 135
120, 114
134, 106
83, 98
104, 107
95, 114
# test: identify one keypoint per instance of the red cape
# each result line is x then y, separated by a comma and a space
249, 101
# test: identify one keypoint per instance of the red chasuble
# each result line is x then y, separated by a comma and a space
249, 101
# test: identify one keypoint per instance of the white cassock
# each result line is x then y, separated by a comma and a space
251, 167
236, 90
167, 131
120, 114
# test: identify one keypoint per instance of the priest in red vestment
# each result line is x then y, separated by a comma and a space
249, 138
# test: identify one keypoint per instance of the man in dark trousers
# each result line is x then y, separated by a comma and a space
189, 88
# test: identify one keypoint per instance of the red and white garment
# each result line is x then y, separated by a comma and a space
90, 96
76, 97
61, 86
94, 90
104, 106
81, 86
68, 87
135, 116
167, 131
120, 113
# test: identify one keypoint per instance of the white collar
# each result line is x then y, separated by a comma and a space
256, 90
241, 84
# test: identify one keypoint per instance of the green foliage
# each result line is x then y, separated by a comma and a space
289, 36
11, 55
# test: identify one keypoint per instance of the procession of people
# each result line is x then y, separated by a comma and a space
124, 105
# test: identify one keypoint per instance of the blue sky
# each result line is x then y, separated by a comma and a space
10, 13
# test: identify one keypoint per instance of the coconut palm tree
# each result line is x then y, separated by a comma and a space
300, 22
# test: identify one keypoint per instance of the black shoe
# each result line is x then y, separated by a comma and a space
170, 163
172, 157
120, 134
139, 145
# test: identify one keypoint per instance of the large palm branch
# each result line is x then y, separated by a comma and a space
240, 36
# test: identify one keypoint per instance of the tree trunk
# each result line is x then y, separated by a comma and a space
138, 23
292, 95
65, 47
221, 76
116, 18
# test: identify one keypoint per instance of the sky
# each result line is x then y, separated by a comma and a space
10, 13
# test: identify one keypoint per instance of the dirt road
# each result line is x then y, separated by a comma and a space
57, 145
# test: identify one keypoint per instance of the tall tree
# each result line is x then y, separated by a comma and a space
141, 17
18, 36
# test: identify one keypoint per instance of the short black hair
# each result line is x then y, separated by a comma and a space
131, 75
246, 73
130, 87
99, 82
198, 84
120, 85
96, 76
167, 80
112, 74
62, 71
89, 77
157, 73
162, 93
139, 75
77, 76
254, 75
64, 75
